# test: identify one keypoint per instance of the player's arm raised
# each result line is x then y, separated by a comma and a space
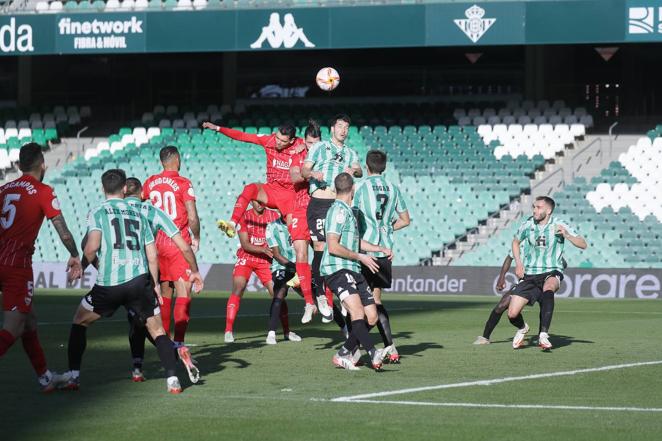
247, 246
194, 224
237, 135
336, 249
74, 266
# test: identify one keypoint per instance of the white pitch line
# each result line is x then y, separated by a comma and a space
512, 406
495, 381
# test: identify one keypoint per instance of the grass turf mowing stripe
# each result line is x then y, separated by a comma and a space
495, 381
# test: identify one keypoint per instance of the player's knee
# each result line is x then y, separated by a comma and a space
512, 313
372, 317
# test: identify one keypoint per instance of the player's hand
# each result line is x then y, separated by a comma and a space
388, 252
196, 280
195, 245
349, 171
268, 252
209, 125
561, 231
300, 148
519, 271
317, 175
370, 262
74, 269
501, 283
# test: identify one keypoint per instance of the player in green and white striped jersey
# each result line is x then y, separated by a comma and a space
341, 264
119, 236
539, 267
283, 269
158, 220
324, 161
382, 210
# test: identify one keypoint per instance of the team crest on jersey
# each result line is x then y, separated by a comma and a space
541, 241
191, 192
55, 204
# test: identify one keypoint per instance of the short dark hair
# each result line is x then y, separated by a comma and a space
313, 129
133, 186
113, 180
167, 153
376, 161
30, 157
343, 183
339, 117
549, 201
288, 130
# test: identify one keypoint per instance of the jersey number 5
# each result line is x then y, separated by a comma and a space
130, 232
165, 202
9, 210
383, 200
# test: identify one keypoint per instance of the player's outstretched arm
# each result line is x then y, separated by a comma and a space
247, 246
194, 224
237, 135
74, 266
403, 221
372, 248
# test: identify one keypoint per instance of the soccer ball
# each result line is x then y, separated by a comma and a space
327, 79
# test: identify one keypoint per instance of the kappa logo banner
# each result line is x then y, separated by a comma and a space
475, 26
285, 35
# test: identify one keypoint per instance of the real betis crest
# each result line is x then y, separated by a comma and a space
474, 26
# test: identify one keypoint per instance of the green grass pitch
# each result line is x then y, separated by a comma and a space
251, 391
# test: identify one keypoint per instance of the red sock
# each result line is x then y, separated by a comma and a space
6, 340
182, 316
250, 193
329, 296
166, 309
284, 319
305, 278
35, 352
231, 311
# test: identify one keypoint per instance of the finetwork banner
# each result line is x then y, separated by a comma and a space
111, 32
578, 283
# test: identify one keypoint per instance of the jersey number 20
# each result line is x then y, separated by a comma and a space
165, 202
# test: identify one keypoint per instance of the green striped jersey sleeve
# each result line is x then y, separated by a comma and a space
354, 158
271, 237
163, 222
400, 204
146, 231
313, 153
521, 231
93, 221
335, 220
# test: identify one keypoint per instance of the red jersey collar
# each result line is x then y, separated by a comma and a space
170, 173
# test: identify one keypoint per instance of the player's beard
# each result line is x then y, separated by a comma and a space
41, 175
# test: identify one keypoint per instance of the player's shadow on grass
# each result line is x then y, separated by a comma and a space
560, 341
417, 349
216, 358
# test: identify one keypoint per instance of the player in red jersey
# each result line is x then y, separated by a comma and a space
277, 192
24, 203
174, 194
254, 256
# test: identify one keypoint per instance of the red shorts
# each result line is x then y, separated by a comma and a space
172, 265
244, 268
17, 286
279, 199
299, 227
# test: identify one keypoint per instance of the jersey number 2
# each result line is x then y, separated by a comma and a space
9, 210
130, 232
165, 202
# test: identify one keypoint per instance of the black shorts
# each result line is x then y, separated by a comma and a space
383, 277
344, 283
316, 216
530, 287
280, 279
136, 295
